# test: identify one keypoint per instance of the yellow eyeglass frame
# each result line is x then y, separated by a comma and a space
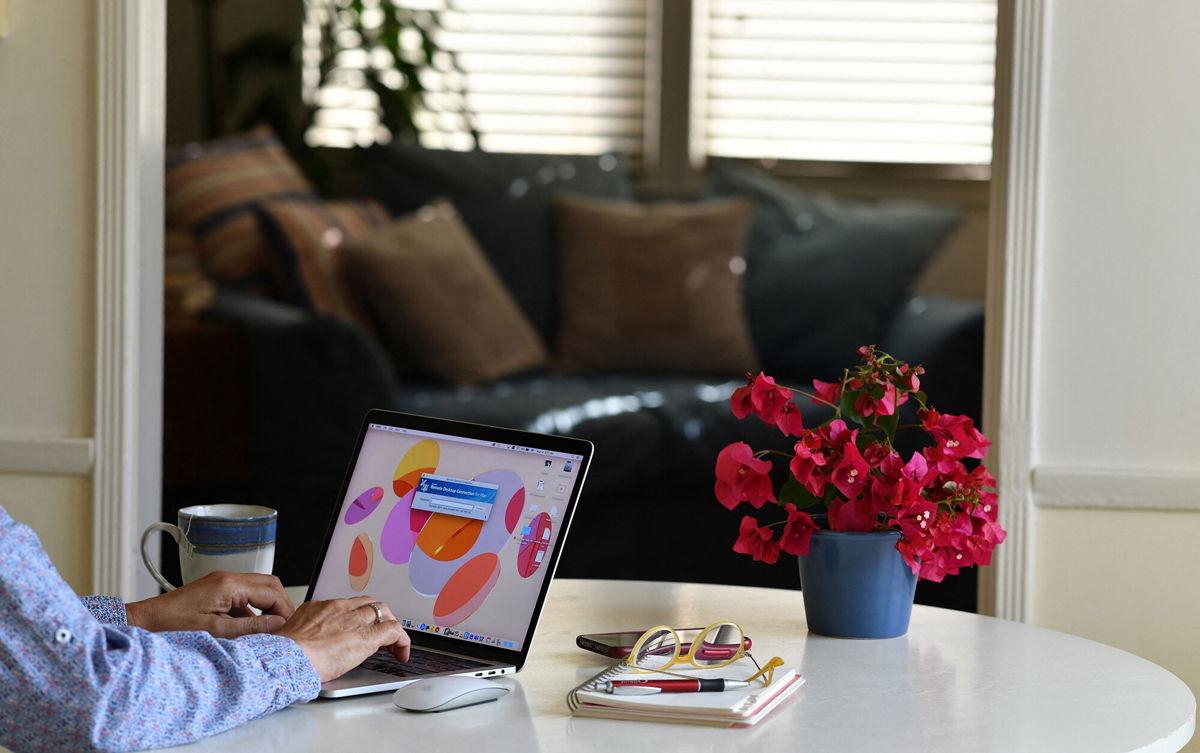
767, 672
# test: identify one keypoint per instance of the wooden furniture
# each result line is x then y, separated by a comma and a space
956, 681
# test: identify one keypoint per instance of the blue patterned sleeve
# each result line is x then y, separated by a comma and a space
72, 683
107, 609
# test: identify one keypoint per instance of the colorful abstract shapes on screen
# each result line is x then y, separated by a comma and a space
362, 561
422, 458
516, 504
363, 505
467, 589
510, 502
429, 570
403, 523
448, 537
535, 541
452, 559
396, 541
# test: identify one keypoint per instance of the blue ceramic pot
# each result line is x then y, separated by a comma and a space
856, 585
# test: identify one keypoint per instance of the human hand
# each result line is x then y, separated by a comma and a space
217, 603
337, 635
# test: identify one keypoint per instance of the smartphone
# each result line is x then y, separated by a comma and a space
618, 645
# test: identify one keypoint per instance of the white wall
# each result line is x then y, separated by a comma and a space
47, 157
46, 203
1117, 409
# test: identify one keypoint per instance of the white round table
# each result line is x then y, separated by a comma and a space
956, 681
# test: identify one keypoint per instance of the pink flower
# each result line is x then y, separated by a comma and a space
740, 403
876, 453
955, 437
991, 532
791, 423
826, 392
769, 399
837, 432
908, 380
742, 477
915, 518
985, 508
849, 475
881, 406
811, 455
936, 565
950, 535
756, 541
797, 532
853, 515
916, 468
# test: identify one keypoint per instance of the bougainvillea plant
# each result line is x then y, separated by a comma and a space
942, 499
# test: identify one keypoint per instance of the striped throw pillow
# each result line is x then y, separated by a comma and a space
212, 188
306, 237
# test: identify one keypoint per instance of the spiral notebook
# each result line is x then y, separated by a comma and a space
729, 708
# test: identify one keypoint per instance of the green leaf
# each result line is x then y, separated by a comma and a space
794, 492
848, 411
889, 424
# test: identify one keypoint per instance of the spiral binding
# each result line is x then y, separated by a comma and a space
594, 683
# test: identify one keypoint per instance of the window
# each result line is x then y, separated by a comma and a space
849, 80
906, 81
539, 76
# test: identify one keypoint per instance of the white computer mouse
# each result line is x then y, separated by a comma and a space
445, 693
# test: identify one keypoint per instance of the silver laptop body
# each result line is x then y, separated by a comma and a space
458, 528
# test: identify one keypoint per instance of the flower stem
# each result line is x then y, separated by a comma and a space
762, 453
811, 396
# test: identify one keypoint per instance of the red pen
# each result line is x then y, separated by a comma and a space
646, 687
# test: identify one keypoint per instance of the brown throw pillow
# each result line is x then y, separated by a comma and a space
653, 287
212, 189
438, 303
306, 238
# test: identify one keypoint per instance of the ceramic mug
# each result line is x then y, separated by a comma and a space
237, 538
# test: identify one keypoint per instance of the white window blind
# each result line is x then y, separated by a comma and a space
539, 76
905, 81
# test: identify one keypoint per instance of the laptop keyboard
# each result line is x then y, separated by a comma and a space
419, 663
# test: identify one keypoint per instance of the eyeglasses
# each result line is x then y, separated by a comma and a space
717, 645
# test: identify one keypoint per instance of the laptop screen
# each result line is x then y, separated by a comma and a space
456, 527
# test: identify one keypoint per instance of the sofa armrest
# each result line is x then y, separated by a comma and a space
945, 335
310, 380
300, 352
251, 310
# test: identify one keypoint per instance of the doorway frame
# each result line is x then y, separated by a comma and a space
131, 65
130, 137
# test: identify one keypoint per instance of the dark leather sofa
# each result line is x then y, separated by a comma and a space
823, 277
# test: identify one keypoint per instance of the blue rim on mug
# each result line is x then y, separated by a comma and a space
227, 528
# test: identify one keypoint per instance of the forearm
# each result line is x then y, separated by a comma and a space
176, 687
139, 690
70, 683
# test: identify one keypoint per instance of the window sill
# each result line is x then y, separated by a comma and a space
867, 170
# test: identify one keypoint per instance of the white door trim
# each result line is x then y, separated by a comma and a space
57, 456
1014, 254
1108, 488
130, 114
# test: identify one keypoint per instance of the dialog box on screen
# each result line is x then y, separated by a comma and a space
455, 496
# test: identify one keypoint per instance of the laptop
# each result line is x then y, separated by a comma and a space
457, 527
